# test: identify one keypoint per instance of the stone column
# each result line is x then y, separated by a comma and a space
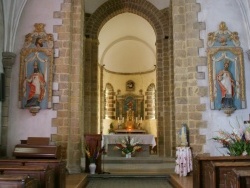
8, 60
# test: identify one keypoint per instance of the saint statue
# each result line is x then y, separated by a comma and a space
130, 115
226, 85
36, 84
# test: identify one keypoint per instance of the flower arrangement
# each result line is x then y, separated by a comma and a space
237, 142
128, 145
93, 153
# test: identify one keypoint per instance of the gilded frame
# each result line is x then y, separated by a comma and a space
40, 56
235, 56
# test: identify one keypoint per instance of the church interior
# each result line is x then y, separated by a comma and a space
153, 89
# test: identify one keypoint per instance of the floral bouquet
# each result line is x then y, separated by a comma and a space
128, 145
237, 142
93, 153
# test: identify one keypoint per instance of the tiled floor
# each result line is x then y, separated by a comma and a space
135, 167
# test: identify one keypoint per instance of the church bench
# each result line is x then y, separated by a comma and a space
18, 181
217, 171
200, 163
44, 175
237, 178
59, 167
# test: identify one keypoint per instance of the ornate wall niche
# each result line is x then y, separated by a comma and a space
226, 71
35, 77
127, 101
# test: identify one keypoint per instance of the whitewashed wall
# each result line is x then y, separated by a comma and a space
21, 123
213, 12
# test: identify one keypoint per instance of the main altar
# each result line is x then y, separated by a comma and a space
129, 123
145, 141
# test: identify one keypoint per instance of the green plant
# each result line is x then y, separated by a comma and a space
237, 142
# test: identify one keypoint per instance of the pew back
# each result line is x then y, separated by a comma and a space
202, 162
237, 179
17, 181
59, 167
45, 176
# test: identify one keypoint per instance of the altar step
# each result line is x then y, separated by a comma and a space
137, 160
139, 165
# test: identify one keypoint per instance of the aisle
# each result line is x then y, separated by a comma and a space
125, 182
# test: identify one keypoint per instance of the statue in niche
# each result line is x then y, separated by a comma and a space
226, 85
36, 70
183, 135
226, 71
130, 116
36, 87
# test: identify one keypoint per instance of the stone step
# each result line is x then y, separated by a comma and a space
138, 160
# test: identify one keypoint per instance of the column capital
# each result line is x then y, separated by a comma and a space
8, 59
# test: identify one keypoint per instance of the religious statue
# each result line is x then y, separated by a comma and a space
183, 135
36, 70
36, 87
226, 85
130, 115
130, 119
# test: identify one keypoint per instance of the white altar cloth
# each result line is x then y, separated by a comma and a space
141, 138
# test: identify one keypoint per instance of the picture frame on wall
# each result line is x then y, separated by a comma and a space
130, 85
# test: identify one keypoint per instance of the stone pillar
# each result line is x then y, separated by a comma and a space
8, 60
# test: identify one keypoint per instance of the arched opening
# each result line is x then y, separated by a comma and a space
163, 70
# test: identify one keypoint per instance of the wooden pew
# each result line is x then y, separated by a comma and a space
58, 165
45, 176
237, 179
17, 181
201, 163
37, 151
219, 171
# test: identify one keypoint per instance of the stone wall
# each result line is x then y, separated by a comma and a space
189, 109
69, 75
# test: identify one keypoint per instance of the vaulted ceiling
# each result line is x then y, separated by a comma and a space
127, 41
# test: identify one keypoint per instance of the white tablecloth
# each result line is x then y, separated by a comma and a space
183, 161
141, 138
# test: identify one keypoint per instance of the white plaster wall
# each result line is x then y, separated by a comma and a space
213, 12
118, 81
21, 123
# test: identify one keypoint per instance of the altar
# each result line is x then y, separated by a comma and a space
145, 141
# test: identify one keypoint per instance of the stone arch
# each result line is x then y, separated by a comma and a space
160, 21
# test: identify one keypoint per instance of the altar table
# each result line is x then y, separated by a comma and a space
145, 141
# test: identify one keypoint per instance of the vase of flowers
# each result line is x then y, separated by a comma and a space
128, 155
236, 142
93, 153
92, 168
128, 146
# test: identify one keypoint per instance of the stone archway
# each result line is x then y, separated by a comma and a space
160, 22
